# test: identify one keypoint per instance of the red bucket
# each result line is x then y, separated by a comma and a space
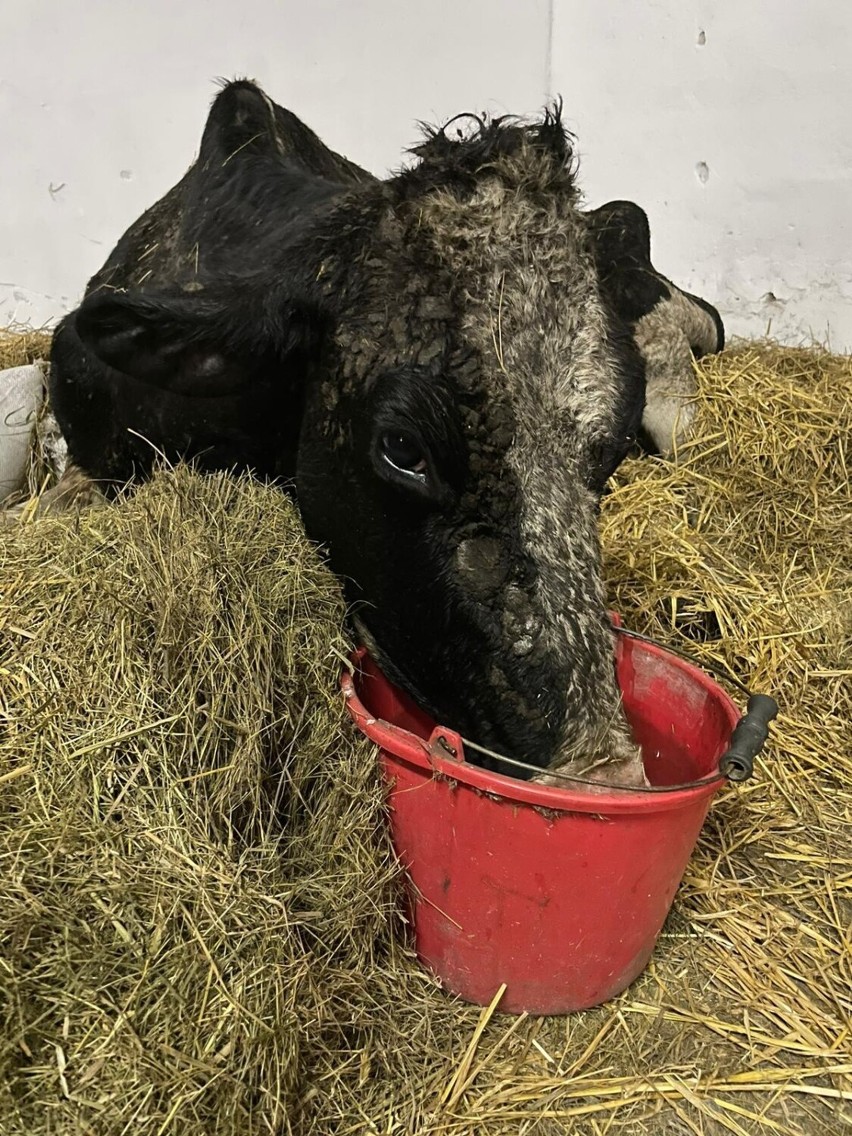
558, 893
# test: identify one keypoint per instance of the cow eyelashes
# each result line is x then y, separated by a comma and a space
404, 453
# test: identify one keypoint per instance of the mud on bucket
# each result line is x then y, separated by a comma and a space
556, 893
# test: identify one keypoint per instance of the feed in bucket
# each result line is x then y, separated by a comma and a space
555, 892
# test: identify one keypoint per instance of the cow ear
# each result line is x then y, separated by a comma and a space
242, 118
200, 346
621, 234
621, 245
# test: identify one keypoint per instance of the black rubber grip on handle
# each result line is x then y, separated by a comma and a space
748, 737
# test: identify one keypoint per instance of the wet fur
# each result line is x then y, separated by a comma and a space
562, 387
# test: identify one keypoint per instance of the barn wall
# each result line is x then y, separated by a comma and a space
729, 122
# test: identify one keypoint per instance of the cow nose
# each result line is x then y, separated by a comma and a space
483, 566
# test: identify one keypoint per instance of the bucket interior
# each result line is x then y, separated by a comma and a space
681, 718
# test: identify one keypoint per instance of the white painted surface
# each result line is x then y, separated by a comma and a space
739, 148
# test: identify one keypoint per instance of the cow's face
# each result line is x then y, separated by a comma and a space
474, 398
466, 395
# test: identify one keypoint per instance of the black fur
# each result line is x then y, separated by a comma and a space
448, 154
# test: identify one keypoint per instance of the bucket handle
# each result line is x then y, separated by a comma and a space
752, 730
747, 740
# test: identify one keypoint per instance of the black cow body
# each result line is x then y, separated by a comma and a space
448, 364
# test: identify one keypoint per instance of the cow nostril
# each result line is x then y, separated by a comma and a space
482, 564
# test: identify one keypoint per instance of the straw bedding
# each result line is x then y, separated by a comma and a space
198, 927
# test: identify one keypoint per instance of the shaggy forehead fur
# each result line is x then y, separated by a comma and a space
530, 302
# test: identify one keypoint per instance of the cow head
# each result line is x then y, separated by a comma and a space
467, 391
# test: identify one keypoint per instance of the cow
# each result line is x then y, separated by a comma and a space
446, 365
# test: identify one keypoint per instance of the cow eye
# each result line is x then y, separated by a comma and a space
404, 453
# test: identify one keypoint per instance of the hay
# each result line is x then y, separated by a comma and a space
196, 876
20, 345
198, 937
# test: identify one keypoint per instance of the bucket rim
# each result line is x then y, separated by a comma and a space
400, 744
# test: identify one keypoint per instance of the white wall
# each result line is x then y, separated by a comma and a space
102, 104
737, 141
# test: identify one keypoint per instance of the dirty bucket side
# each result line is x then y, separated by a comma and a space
564, 909
558, 893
